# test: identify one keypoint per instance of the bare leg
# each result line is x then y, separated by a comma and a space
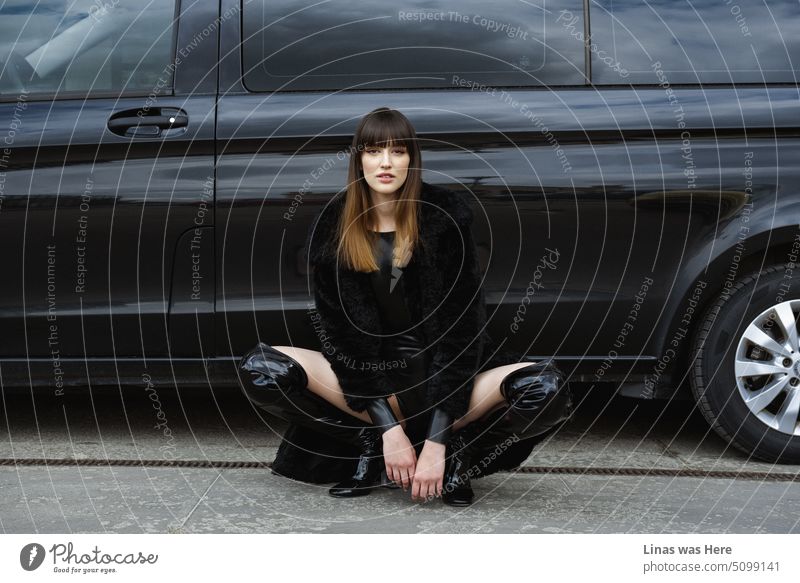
323, 382
486, 395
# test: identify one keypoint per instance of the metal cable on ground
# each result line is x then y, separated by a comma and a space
592, 471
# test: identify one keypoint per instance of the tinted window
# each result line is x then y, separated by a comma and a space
86, 46
695, 41
373, 44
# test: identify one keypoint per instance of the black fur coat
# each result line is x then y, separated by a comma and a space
443, 283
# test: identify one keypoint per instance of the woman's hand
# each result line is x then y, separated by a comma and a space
429, 474
399, 455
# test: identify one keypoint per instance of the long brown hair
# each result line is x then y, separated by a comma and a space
382, 126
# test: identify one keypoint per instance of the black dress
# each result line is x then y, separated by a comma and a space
403, 349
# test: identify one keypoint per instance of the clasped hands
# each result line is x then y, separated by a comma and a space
424, 475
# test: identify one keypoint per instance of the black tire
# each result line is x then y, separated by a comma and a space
714, 349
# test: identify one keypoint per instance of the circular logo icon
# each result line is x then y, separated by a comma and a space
31, 556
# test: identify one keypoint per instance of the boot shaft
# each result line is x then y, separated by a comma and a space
277, 383
537, 399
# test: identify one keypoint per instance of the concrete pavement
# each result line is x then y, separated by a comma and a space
202, 425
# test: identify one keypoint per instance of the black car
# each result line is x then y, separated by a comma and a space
633, 167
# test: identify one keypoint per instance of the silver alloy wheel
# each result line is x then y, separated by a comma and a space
768, 367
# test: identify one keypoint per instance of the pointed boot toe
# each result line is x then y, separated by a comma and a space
461, 496
351, 488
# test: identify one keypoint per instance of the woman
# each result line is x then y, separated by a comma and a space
408, 379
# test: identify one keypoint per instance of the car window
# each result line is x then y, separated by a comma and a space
86, 46
371, 44
695, 41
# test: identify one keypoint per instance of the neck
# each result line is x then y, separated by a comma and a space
383, 207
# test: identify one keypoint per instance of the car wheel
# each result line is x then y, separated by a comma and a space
746, 371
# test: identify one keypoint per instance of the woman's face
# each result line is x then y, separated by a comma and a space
385, 167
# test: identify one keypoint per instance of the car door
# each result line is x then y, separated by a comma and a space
107, 179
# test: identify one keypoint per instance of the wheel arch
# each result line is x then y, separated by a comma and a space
762, 250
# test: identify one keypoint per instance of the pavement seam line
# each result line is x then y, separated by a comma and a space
199, 501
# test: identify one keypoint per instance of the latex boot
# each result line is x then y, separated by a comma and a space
367, 475
278, 384
537, 399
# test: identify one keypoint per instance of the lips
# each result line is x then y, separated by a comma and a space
385, 175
